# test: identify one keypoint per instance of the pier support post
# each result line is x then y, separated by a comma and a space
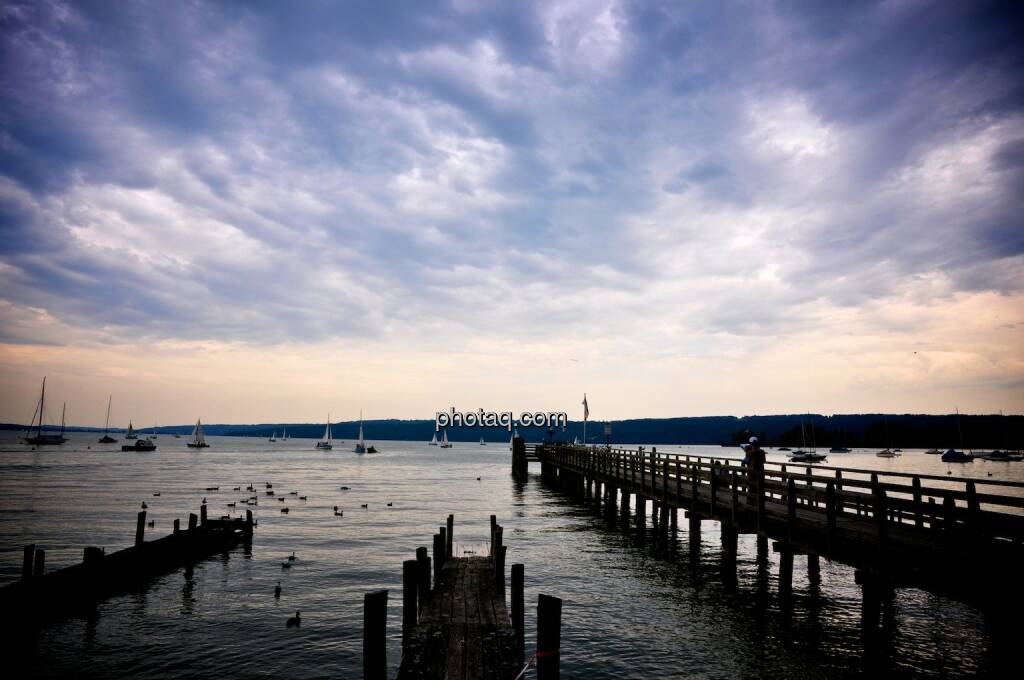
520, 465
26, 561
410, 585
729, 541
92, 555
874, 590
518, 617
549, 637
813, 569
202, 514
375, 632
624, 507
448, 537
192, 521
39, 564
762, 549
140, 528
641, 510
785, 569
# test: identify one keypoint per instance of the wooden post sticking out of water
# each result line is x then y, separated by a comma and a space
92, 555
518, 618
375, 632
202, 514
520, 466
248, 526
39, 564
813, 568
641, 510
192, 521
26, 562
549, 636
443, 531
410, 585
177, 525
438, 557
448, 536
499, 560
423, 576
140, 528
494, 524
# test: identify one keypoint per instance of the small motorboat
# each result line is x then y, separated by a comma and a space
1003, 456
954, 456
139, 445
785, 448
933, 452
886, 453
839, 449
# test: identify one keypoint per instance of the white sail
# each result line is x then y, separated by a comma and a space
433, 440
285, 435
360, 441
445, 439
197, 433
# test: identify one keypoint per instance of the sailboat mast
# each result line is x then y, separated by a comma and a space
42, 402
958, 428
106, 425
63, 410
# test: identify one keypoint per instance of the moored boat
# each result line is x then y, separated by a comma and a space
954, 456
325, 443
106, 438
140, 445
445, 444
433, 440
40, 439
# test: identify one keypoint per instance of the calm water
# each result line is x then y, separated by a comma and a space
632, 608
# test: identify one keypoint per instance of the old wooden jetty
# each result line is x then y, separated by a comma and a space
42, 596
460, 627
953, 536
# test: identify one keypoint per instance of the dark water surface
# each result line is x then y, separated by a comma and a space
632, 608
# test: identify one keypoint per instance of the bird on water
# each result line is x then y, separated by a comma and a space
144, 506
291, 558
277, 591
294, 621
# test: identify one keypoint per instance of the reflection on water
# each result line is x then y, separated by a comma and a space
635, 604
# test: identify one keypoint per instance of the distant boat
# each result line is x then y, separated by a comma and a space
837, 449
326, 444
1004, 456
273, 436
575, 441
140, 445
954, 456
785, 448
886, 453
445, 444
807, 457
177, 436
284, 437
130, 433
933, 452
153, 434
106, 438
40, 439
482, 442
361, 446
433, 440
198, 438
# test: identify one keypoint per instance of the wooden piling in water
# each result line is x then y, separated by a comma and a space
422, 575
26, 562
38, 565
410, 607
450, 529
438, 557
518, 617
375, 631
549, 636
140, 528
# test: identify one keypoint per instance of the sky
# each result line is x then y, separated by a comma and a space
265, 212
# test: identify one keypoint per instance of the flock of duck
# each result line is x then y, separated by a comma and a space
253, 500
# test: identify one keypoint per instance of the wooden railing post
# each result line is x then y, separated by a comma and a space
518, 618
410, 587
918, 515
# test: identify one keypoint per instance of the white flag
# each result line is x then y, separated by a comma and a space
586, 409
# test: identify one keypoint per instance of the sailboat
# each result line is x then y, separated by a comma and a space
326, 442
106, 438
273, 436
482, 442
361, 446
130, 432
284, 437
154, 434
433, 440
40, 439
445, 444
887, 452
802, 456
198, 438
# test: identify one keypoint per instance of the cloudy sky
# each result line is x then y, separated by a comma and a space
265, 211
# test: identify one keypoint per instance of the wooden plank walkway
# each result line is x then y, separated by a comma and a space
464, 630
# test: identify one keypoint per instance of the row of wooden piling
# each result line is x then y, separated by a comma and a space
417, 595
51, 595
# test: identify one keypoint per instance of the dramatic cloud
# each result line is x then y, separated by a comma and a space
663, 192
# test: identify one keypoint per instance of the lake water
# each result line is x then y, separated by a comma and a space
632, 607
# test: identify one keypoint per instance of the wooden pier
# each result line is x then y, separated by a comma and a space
40, 597
461, 627
957, 537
